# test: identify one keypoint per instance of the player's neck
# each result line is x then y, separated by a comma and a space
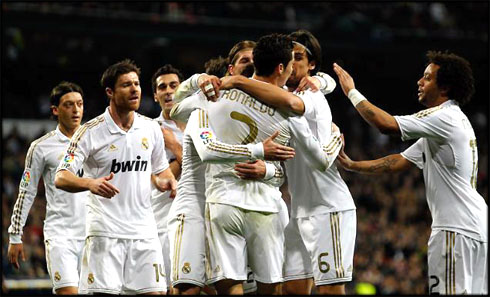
268, 79
68, 132
123, 119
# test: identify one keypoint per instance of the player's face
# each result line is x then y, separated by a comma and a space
245, 58
165, 90
127, 92
301, 66
428, 92
286, 73
70, 110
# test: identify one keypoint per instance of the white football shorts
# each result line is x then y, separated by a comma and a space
457, 264
163, 237
64, 260
122, 266
321, 246
238, 237
186, 236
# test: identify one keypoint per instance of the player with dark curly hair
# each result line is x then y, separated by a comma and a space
446, 151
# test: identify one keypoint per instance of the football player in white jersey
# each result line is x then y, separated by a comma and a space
120, 150
64, 226
164, 82
446, 152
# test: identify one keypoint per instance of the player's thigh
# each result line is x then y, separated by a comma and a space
226, 245
63, 258
164, 242
297, 262
330, 241
186, 235
144, 269
265, 246
102, 265
453, 267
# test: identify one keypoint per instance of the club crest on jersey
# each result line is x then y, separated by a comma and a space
26, 178
186, 268
57, 276
69, 158
206, 136
133, 165
144, 143
90, 278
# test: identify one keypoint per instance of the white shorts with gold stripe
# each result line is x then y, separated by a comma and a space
186, 234
238, 237
163, 237
122, 266
457, 264
321, 246
64, 260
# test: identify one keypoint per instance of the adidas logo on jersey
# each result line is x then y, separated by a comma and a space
134, 165
112, 148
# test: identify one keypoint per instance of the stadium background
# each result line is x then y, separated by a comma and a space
382, 45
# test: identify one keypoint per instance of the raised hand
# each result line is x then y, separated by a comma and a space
345, 80
210, 85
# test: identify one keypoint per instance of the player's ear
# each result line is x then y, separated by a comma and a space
280, 68
311, 65
109, 92
54, 110
230, 69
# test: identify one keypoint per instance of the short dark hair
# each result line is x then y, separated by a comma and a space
112, 73
165, 69
270, 51
311, 43
216, 66
454, 74
244, 44
63, 88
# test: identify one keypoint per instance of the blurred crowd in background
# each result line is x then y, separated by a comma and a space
383, 45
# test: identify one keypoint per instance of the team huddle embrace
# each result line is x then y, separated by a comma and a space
190, 202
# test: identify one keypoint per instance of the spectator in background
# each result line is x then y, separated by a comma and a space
446, 151
64, 227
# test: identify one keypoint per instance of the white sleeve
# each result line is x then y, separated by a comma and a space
34, 167
187, 88
320, 155
415, 153
182, 110
159, 160
429, 123
78, 151
274, 174
210, 149
308, 102
327, 83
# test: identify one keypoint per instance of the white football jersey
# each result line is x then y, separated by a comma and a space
447, 153
133, 156
315, 191
161, 201
65, 212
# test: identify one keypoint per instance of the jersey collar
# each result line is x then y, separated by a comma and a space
113, 128
60, 134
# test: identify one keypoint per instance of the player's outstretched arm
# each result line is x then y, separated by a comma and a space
388, 164
372, 114
268, 93
69, 182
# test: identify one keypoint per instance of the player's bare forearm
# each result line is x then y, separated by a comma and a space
176, 168
389, 164
69, 182
272, 95
378, 118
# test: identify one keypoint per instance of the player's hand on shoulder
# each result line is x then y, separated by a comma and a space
14, 250
209, 85
308, 83
102, 187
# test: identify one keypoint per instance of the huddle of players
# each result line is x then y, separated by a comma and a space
229, 172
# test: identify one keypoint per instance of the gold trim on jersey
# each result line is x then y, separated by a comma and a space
332, 146
203, 119
450, 263
76, 137
426, 112
229, 149
19, 204
177, 245
336, 244
474, 155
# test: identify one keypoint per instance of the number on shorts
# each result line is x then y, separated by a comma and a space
323, 265
158, 271
431, 292
252, 125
